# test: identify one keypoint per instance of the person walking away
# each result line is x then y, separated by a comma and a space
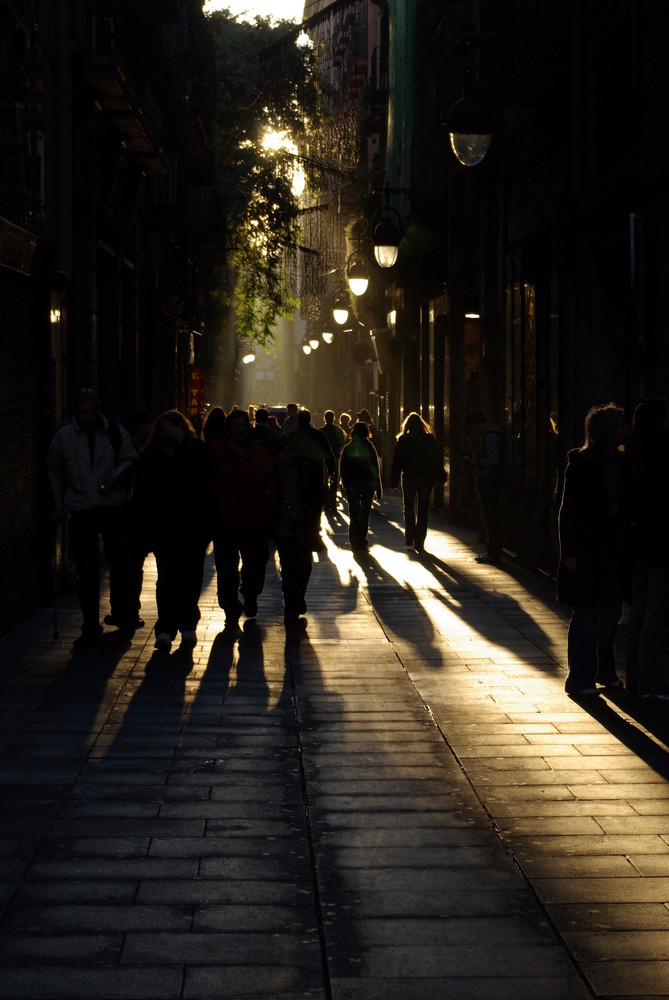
345, 424
291, 541
174, 509
593, 525
85, 464
138, 423
416, 460
315, 457
488, 462
336, 440
214, 426
290, 420
245, 488
648, 626
361, 479
376, 435
262, 433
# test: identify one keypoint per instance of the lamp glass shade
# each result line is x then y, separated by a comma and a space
314, 343
386, 255
328, 336
386, 243
357, 273
469, 148
248, 357
358, 285
306, 348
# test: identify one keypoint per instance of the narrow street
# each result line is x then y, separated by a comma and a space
394, 801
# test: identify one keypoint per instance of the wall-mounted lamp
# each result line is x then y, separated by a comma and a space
314, 342
328, 336
387, 235
306, 346
357, 272
248, 354
470, 127
54, 316
340, 308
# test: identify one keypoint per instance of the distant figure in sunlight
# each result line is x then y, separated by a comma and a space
594, 561
416, 459
359, 470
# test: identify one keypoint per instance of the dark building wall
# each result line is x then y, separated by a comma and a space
23, 428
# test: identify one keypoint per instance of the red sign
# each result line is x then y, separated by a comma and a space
196, 391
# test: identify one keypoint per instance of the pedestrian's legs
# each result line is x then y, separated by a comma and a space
423, 501
609, 609
295, 560
85, 541
654, 638
254, 551
582, 650
359, 505
116, 529
639, 589
168, 586
410, 485
226, 558
489, 494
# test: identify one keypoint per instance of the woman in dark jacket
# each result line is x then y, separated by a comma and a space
173, 505
416, 459
359, 470
593, 527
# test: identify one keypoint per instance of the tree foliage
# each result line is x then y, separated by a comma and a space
263, 86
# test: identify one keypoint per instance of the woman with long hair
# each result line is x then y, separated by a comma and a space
416, 460
174, 508
593, 529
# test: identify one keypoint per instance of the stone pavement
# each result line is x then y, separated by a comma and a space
395, 802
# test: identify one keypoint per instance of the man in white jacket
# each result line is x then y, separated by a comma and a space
84, 463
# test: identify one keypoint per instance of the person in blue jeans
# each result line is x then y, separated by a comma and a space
593, 528
359, 470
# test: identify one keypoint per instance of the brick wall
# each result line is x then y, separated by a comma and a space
24, 418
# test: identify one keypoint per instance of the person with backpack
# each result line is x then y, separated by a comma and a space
488, 462
86, 465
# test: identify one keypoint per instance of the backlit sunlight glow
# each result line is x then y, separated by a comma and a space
280, 140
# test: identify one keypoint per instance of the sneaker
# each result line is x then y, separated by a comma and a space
250, 607
614, 682
584, 693
163, 641
486, 558
189, 638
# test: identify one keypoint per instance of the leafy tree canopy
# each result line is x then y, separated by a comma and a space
263, 87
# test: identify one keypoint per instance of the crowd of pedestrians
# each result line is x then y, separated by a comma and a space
158, 486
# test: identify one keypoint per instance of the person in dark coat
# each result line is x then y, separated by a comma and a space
359, 469
416, 459
648, 627
174, 510
245, 488
336, 440
214, 426
292, 543
593, 566
315, 457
